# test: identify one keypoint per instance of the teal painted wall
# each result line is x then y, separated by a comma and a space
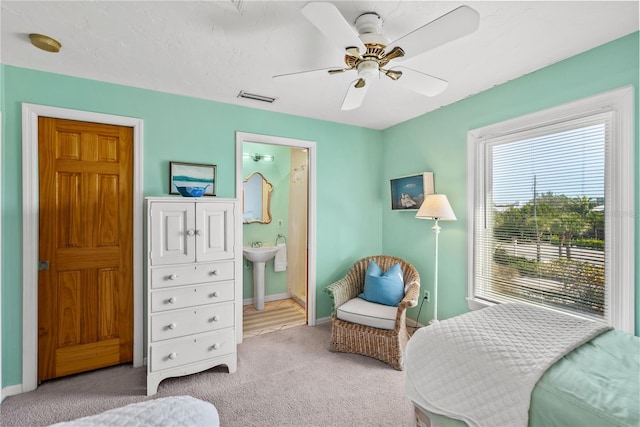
178, 128
433, 142
277, 173
438, 142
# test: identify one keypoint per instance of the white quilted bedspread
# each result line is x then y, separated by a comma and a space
166, 411
482, 366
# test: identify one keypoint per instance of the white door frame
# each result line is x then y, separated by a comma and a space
30, 224
311, 147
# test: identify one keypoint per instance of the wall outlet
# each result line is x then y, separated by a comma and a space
427, 295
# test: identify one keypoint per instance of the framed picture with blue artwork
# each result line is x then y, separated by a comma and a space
407, 192
193, 178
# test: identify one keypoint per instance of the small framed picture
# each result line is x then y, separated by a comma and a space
192, 175
407, 192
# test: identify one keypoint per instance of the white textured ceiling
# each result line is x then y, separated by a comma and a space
215, 49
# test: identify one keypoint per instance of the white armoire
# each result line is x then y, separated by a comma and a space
194, 286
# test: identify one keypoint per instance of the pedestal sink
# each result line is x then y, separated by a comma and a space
259, 257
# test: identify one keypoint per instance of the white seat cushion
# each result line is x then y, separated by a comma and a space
367, 313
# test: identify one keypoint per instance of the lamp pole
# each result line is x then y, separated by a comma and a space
436, 231
436, 207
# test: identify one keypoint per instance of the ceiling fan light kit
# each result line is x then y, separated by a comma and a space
368, 51
367, 69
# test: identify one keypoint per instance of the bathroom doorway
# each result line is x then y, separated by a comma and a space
287, 220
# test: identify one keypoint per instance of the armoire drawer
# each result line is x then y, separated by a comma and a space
189, 296
181, 351
177, 323
164, 277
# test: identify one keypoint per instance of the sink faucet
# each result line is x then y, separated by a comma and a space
256, 244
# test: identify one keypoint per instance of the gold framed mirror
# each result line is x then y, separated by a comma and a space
256, 199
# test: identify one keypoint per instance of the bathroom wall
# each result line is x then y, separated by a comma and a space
298, 240
277, 173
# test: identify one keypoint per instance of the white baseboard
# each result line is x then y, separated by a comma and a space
412, 323
323, 320
11, 390
268, 298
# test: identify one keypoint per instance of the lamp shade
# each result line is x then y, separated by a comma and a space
436, 206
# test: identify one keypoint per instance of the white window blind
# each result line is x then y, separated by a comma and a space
551, 207
540, 230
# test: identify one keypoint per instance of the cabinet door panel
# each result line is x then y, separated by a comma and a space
172, 233
214, 231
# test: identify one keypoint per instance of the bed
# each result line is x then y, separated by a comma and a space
518, 365
175, 411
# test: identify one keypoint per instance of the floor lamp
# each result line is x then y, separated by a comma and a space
436, 207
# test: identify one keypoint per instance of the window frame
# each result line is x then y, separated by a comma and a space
619, 198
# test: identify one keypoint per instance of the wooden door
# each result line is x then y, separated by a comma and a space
85, 291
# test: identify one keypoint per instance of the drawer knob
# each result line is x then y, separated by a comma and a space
190, 232
172, 325
172, 300
214, 294
172, 356
214, 272
216, 346
215, 318
173, 276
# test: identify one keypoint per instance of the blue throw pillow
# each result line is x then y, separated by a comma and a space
383, 288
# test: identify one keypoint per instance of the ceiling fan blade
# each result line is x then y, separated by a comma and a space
299, 73
328, 19
355, 94
338, 70
422, 83
451, 26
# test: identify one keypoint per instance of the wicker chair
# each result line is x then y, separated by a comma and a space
382, 344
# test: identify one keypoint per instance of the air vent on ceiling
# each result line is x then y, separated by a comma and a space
255, 97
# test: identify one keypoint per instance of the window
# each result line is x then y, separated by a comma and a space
550, 210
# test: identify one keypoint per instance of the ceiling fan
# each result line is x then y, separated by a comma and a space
369, 53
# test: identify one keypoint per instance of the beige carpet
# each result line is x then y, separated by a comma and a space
284, 378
